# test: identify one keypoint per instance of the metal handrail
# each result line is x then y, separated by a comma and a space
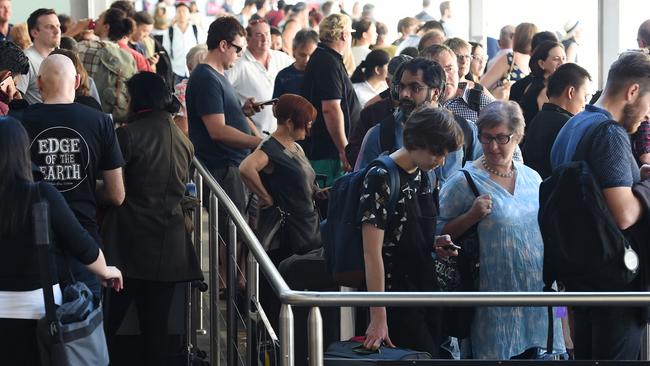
290, 297
310, 298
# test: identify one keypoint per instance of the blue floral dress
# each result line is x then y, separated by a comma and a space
512, 254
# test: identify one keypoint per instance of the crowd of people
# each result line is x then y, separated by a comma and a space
101, 118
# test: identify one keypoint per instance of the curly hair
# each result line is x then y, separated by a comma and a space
332, 28
12, 58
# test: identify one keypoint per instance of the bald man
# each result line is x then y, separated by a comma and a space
643, 36
73, 146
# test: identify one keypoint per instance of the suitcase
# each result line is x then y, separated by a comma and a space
353, 353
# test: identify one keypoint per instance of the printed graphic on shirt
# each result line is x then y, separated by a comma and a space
62, 155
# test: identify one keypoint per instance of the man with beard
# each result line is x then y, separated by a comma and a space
607, 333
421, 83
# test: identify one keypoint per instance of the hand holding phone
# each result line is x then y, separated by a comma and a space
267, 102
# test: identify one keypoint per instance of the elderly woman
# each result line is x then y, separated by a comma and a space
147, 234
511, 247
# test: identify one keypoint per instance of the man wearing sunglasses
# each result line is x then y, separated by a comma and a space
219, 128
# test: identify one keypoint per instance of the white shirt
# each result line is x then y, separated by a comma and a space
182, 43
27, 83
359, 54
365, 91
251, 79
411, 41
26, 304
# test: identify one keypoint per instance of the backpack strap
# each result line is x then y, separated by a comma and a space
468, 145
387, 134
587, 140
42, 240
393, 180
471, 183
171, 41
196, 33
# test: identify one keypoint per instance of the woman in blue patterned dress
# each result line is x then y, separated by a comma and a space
511, 246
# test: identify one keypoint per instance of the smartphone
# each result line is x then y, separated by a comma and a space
268, 102
451, 247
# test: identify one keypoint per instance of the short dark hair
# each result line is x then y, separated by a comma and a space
119, 24
63, 19
148, 91
69, 43
179, 4
303, 37
13, 58
541, 37
430, 25
631, 67
32, 21
541, 53
275, 31
433, 75
143, 17
224, 29
432, 129
125, 6
566, 75
410, 51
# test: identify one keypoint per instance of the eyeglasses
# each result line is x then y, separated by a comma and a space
464, 57
414, 88
238, 49
501, 139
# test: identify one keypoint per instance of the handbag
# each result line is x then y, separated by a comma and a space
300, 232
461, 273
73, 333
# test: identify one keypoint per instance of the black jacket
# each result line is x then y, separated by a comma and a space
540, 137
146, 236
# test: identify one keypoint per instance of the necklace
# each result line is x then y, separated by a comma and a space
495, 172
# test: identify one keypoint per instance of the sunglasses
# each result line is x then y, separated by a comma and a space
238, 49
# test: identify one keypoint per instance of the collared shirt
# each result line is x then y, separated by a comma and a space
460, 106
327, 79
27, 83
182, 43
7, 37
609, 157
541, 134
250, 78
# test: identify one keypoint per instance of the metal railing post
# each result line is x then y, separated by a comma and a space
231, 268
213, 250
197, 296
315, 339
645, 346
252, 290
286, 336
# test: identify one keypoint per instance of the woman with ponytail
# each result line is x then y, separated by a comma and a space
369, 78
364, 36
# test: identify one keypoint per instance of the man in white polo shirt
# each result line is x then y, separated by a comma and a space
254, 73
179, 39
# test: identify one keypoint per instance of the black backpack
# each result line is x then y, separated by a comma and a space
583, 247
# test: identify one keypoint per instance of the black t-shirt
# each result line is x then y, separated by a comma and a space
541, 135
288, 80
209, 92
71, 144
327, 79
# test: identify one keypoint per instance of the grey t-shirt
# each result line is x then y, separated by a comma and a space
27, 83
